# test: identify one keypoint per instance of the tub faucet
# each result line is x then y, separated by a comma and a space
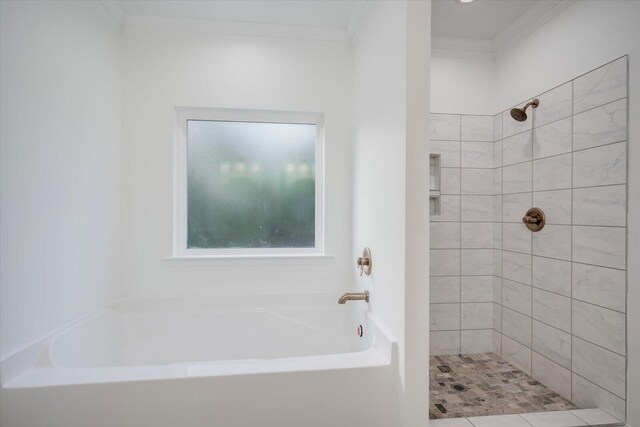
354, 296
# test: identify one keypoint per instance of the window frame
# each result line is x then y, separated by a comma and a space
180, 202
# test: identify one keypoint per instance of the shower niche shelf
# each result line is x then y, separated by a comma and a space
434, 184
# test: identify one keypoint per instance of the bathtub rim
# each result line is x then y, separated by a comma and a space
31, 366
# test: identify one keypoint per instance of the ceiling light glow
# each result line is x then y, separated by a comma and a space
464, 1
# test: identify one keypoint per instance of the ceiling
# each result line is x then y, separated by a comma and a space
481, 19
307, 13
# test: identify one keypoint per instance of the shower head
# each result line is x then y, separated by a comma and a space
520, 114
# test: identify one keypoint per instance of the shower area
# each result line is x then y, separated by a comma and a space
528, 257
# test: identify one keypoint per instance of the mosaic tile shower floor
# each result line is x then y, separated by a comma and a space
472, 385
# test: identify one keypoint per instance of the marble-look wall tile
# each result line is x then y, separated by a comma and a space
516, 326
554, 105
449, 209
497, 154
516, 296
476, 315
554, 376
515, 206
450, 180
516, 238
600, 285
445, 127
511, 126
552, 173
444, 317
552, 275
600, 206
586, 394
517, 178
553, 241
601, 366
476, 208
552, 343
497, 127
497, 289
497, 261
606, 165
516, 267
477, 289
600, 86
552, 309
477, 128
497, 343
600, 326
497, 208
556, 205
600, 126
444, 342
603, 246
449, 153
444, 235
444, 289
476, 262
477, 154
477, 235
552, 139
517, 148
497, 236
477, 181
497, 317
444, 262
480, 341
516, 354
497, 181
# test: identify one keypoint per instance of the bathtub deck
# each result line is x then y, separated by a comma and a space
472, 385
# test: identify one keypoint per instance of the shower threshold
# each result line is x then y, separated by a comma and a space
481, 389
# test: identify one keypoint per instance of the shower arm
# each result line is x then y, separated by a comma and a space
533, 103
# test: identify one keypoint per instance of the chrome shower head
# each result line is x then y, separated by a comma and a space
520, 114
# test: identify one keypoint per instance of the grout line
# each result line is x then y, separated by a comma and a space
460, 244
536, 159
571, 247
559, 259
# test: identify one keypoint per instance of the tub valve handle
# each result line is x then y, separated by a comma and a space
364, 262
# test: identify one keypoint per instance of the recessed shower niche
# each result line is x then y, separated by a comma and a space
434, 184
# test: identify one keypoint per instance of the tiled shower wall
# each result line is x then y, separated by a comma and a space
559, 295
462, 236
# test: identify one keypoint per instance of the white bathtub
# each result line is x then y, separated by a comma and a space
236, 350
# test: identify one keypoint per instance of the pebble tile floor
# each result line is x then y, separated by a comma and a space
473, 385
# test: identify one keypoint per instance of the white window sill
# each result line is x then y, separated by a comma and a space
272, 259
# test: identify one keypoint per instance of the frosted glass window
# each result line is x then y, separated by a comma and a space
250, 185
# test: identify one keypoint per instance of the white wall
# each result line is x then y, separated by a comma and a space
389, 136
60, 201
165, 68
462, 85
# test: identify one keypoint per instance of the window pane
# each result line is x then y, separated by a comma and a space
250, 185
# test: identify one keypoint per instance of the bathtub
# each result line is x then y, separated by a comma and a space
245, 351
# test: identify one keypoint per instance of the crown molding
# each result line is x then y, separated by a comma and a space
529, 22
234, 28
114, 10
356, 16
458, 47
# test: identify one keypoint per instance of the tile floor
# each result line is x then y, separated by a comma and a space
475, 385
